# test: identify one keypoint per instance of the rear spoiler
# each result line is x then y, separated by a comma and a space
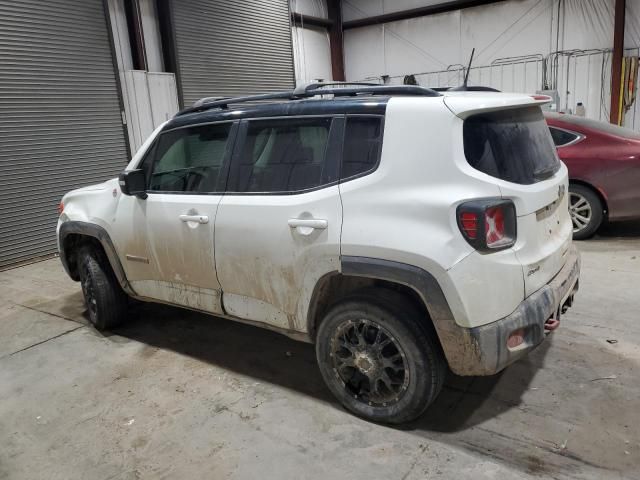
466, 104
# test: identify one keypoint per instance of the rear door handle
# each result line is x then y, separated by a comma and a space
312, 223
306, 226
194, 218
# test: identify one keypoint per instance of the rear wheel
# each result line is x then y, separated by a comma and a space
378, 360
105, 300
586, 211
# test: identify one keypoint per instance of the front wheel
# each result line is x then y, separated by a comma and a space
105, 300
586, 211
378, 360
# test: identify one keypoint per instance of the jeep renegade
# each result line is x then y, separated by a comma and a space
401, 230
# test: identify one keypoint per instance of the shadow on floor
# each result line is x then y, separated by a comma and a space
274, 358
255, 352
469, 401
618, 230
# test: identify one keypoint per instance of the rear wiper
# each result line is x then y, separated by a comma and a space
544, 173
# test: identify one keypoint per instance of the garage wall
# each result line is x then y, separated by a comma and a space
311, 47
357, 9
60, 116
510, 53
228, 48
526, 27
150, 96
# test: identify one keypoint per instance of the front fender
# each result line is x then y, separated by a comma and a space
100, 235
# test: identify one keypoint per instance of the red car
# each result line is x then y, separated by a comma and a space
604, 170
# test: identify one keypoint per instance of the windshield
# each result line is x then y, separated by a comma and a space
513, 145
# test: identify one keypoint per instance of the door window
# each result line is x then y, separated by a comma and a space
283, 155
362, 145
189, 159
562, 137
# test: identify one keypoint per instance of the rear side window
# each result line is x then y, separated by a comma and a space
283, 155
189, 159
512, 145
362, 145
562, 137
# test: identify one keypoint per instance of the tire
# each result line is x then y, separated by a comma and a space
586, 210
105, 300
349, 354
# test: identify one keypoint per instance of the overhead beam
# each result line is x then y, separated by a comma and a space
300, 20
616, 62
416, 12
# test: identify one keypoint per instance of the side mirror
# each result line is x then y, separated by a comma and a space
133, 182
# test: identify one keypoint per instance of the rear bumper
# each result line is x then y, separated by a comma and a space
484, 351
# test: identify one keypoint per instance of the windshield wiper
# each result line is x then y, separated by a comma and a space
546, 172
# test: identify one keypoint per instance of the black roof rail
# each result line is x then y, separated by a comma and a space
337, 89
308, 87
476, 88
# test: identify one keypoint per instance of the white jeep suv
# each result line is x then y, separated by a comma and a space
401, 230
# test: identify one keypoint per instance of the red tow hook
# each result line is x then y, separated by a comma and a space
551, 324
554, 322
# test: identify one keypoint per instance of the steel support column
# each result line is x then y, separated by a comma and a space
616, 65
335, 39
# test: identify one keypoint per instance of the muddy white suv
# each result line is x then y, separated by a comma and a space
401, 230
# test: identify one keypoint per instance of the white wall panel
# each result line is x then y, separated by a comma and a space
632, 24
120, 34
512, 39
364, 52
405, 43
163, 96
312, 54
151, 32
314, 8
356, 9
507, 29
437, 41
149, 100
588, 24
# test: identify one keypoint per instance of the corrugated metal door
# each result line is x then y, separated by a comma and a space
60, 121
227, 48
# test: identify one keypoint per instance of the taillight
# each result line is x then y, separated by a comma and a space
469, 224
489, 224
60, 208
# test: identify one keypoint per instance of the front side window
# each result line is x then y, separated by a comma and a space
283, 155
189, 159
512, 145
362, 145
562, 137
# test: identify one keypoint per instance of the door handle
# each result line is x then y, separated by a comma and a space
194, 218
312, 223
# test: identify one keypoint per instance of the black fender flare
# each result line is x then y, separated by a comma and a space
456, 341
100, 234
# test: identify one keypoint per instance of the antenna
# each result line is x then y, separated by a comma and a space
466, 76
463, 87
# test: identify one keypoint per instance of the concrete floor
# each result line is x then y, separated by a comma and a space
174, 394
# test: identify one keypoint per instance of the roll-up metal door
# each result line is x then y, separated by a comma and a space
227, 48
60, 121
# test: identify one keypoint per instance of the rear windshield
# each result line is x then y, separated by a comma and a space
513, 145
